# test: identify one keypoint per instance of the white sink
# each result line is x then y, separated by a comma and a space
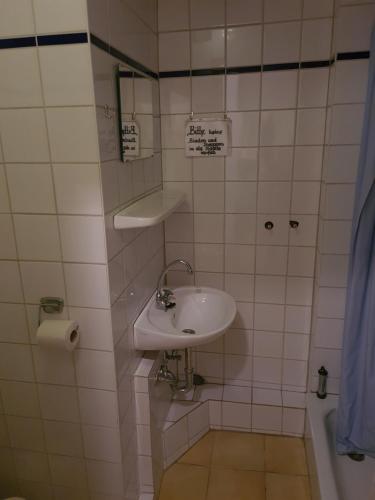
206, 312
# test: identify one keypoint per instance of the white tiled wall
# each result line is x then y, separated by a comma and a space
348, 84
68, 420
273, 173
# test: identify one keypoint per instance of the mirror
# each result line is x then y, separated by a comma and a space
136, 120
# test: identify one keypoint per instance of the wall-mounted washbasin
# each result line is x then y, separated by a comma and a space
201, 314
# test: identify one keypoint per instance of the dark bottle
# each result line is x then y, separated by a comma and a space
322, 386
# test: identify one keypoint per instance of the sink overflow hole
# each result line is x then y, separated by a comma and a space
188, 330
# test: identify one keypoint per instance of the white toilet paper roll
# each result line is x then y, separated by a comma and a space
58, 334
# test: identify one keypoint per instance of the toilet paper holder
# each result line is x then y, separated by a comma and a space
50, 305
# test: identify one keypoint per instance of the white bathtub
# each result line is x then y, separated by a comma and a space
333, 477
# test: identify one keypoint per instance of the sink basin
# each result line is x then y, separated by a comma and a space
200, 316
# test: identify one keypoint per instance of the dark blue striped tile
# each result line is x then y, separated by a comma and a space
62, 39
316, 64
348, 56
208, 71
280, 66
243, 69
14, 43
174, 74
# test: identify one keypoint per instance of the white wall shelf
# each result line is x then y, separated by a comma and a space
150, 210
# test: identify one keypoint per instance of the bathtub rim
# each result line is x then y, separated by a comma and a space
317, 410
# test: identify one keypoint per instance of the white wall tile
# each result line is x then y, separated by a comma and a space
17, 91
239, 259
270, 289
173, 130
207, 13
243, 91
37, 237
209, 228
281, 42
240, 286
317, 8
175, 95
173, 15
31, 465
209, 257
17, 18
95, 369
354, 27
268, 344
313, 87
275, 164
308, 163
87, 285
274, 197
279, 89
26, 433
73, 134
207, 94
4, 198
350, 81
347, 123
53, 367
240, 228
297, 319
68, 471
271, 259
277, 128
63, 438
293, 421
42, 279
71, 15
176, 167
16, 363
83, 239
316, 39
66, 74
209, 197
31, 188
78, 189
269, 317
266, 418
207, 49
244, 46
24, 135
174, 51
245, 129
208, 169
98, 407
299, 291
242, 165
288, 10
8, 247
101, 443
305, 197
296, 347
236, 415
20, 398
240, 197
242, 11
13, 325
310, 126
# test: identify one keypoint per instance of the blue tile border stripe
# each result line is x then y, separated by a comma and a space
347, 56
100, 44
42, 40
62, 39
13, 43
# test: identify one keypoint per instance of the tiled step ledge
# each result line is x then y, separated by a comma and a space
180, 424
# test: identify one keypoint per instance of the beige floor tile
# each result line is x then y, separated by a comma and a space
285, 455
184, 482
229, 484
238, 450
200, 453
283, 487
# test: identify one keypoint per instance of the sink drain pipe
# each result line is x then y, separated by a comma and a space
166, 375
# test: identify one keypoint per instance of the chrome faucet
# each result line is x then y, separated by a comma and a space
164, 295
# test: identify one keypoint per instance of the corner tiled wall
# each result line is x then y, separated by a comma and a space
252, 51
67, 420
348, 83
135, 257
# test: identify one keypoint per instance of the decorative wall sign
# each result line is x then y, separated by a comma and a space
207, 137
130, 139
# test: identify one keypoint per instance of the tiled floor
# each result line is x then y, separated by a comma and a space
239, 466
